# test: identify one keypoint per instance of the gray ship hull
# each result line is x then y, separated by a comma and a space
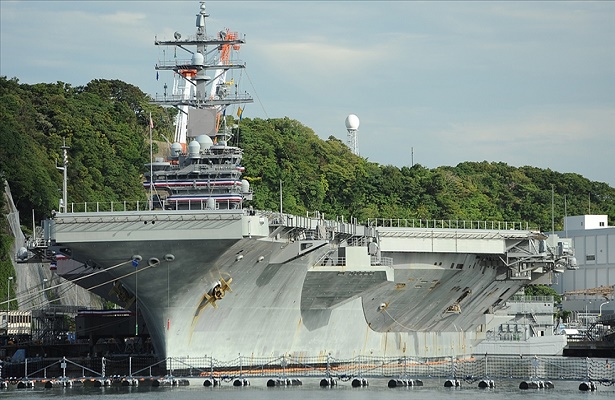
270, 311
303, 288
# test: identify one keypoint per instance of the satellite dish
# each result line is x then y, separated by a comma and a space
177, 35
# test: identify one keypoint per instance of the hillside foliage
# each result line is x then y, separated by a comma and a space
105, 124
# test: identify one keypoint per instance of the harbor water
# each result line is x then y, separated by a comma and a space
433, 389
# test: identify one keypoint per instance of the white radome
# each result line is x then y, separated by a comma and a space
352, 122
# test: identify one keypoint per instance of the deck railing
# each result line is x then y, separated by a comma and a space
447, 224
136, 205
530, 299
307, 221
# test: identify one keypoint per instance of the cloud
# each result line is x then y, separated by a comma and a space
316, 59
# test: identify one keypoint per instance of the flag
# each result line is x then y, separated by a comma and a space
157, 75
239, 112
151, 123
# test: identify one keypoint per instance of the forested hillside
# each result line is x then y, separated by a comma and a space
106, 126
325, 176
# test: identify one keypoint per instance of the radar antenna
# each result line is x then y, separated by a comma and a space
352, 125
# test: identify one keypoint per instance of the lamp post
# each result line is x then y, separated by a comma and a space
606, 302
8, 294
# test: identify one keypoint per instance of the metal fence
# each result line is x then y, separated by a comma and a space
492, 367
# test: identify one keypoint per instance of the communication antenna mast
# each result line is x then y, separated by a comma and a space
64, 169
352, 125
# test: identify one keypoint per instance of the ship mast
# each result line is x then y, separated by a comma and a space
193, 87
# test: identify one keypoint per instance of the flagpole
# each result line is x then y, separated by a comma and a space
151, 162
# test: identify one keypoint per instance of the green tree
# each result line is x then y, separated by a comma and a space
542, 290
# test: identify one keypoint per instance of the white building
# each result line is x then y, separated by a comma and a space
584, 222
594, 248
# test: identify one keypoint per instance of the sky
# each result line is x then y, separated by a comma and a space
435, 83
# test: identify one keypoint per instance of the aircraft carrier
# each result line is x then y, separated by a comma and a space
211, 277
